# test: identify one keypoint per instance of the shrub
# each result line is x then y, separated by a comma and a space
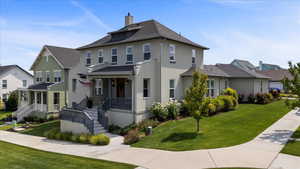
100, 139
184, 112
231, 92
173, 109
12, 103
228, 102
275, 94
160, 113
143, 125
251, 99
241, 98
66, 136
263, 98
35, 119
2, 105
269, 96
126, 129
219, 104
132, 137
51, 134
235, 102
58, 136
84, 138
75, 138
114, 129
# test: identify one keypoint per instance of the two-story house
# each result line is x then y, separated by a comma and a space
13, 77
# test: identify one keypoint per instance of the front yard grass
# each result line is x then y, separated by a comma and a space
4, 115
293, 147
223, 130
41, 128
19, 157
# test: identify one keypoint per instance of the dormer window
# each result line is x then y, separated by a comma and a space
48, 78
88, 59
193, 56
57, 76
172, 53
100, 56
129, 55
147, 51
114, 56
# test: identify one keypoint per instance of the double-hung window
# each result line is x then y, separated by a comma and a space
98, 87
48, 76
146, 87
24, 83
114, 56
211, 88
39, 76
4, 84
172, 88
172, 57
147, 51
100, 56
57, 76
56, 98
129, 55
193, 56
88, 59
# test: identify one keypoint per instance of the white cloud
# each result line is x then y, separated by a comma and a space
91, 16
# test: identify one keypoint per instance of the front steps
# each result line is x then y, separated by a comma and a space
98, 128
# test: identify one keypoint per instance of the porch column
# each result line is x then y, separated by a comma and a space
42, 103
35, 100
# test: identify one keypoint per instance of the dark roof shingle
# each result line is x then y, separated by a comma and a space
140, 31
210, 70
68, 57
277, 75
40, 86
7, 68
235, 72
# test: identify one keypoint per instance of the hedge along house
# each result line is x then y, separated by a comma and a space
49, 94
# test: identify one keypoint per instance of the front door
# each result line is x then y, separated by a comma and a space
120, 87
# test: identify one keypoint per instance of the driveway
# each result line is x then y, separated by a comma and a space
261, 152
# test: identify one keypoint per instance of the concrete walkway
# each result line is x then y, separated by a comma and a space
261, 152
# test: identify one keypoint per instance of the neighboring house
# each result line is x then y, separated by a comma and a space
264, 66
54, 69
13, 77
243, 64
276, 77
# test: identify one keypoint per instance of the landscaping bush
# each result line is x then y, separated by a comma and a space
159, 112
66, 136
84, 138
231, 92
219, 104
228, 102
263, 98
12, 103
51, 134
173, 109
275, 94
241, 98
183, 111
75, 138
34, 119
143, 125
114, 129
251, 99
58, 136
132, 137
100, 139
2, 105
126, 129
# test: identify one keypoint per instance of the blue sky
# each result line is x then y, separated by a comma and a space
254, 30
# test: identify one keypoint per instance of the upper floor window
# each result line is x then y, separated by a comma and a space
39, 76
4, 84
146, 86
172, 54
172, 88
147, 51
24, 83
211, 88
57, 76
88, 59
48, 76
129, 55
114, 56
100, 56
193, 56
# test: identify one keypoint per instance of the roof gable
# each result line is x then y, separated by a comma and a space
4, 69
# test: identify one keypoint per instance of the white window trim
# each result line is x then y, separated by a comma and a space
129, 62
172, 88
88, 56
100, 50
6, 82
147, 44
172, 53
149, 87
49, 76
55, 71
111, 53
209, 88
194, 54
39, 76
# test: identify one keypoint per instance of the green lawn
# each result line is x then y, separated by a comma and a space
223, 130
293, 147
19, 157
3, 114
40, 129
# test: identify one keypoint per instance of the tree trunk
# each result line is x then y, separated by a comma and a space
198, 125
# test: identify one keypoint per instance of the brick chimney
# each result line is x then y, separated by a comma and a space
128, 19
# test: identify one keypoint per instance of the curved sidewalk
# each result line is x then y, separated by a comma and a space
258, 153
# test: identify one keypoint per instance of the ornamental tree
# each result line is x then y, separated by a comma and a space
195, 96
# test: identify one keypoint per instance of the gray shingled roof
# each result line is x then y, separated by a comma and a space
68, 57
150, 29
210, 70
116, 68
40, 86
7, 68
277, 75
235, 72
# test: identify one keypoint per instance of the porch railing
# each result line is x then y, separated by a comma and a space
78, 116
118, 103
